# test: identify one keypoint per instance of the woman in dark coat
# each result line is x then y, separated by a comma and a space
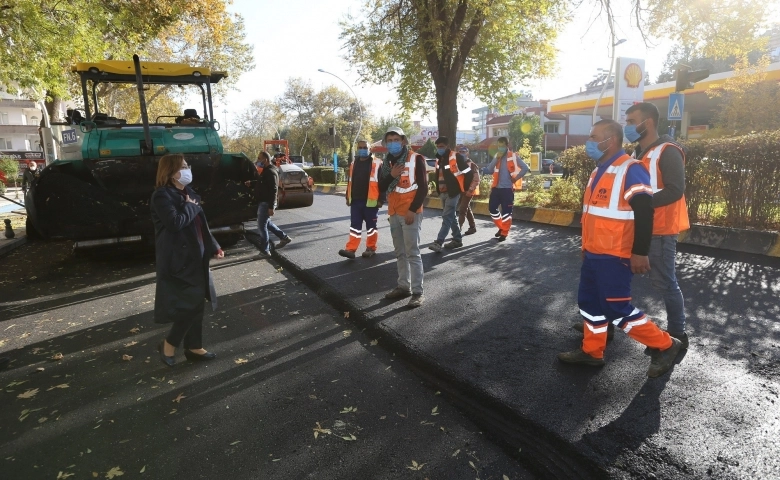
184, 246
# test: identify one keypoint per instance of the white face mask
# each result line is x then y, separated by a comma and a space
186, 176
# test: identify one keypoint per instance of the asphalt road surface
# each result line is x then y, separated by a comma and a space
297, 390
497, 314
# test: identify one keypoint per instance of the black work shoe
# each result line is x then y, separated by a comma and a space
416, 300
682, 337
470, 231
453, 244
578, 327
578, 357
662, 360
397, 293
501, 238
262, 255
347, 253
498, 234
368, 253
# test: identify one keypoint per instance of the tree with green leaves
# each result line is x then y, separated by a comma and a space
526, 128
383, 124
432, 51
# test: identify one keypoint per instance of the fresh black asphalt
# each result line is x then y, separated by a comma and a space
496, 315
289, 367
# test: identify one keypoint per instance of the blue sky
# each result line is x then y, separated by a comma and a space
293, 38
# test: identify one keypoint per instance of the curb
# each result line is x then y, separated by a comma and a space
733, 239
8, 246
331, 189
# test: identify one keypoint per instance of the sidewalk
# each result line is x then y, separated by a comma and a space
497, 314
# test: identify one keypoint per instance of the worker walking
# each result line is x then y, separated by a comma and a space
464, 205
453, 174
617, 224
665, 161
404, 179
364, 200
508, 172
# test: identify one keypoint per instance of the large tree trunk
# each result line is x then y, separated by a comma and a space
53, 104
447, 109
315, 155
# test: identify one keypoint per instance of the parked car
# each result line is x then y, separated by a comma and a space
295, 187
556, 167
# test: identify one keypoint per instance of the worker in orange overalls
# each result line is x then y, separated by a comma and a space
364, 200
617, 224
508, 172
665, 161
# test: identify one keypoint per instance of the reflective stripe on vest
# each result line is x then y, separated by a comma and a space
373, 182
453, 168
607, 218
406, 182
673, 218
512, 166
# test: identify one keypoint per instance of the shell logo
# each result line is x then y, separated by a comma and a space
633, 75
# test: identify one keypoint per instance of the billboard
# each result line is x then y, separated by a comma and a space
629, 86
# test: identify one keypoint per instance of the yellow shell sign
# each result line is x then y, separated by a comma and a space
633, 75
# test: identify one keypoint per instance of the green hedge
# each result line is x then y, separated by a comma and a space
316, 173
732, 181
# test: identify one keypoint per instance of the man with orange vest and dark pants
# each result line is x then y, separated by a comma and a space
453, 177
617, 224
364, 200
405, 180
665, 162
508, 171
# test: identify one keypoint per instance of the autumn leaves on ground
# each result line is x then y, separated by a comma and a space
296, 390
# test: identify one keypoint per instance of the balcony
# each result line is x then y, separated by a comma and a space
18, 129
15, 103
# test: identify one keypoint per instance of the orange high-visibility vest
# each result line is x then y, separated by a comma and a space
673, 218
512, 166
453, 168
607, 218
373, 182
401, 197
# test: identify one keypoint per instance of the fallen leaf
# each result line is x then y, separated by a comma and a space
42, 419
383, 417
347, 333
57, 357
28, 394
131, 344
313, 397
350, 438
127, 357
504, 477
114, 472
64, 475
415, 466
435, 410
346, 314
472, 465
293, 313
62, 385
235, 443
349, 410
178, 399
39, 369
144, 469
239, 361
135, 330
318, 429
276, 459
374, 343
172, 412
15, 383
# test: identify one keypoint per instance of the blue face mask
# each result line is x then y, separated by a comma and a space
631, 134
441, 151
502, 150
592, 149
362, 152
394, 148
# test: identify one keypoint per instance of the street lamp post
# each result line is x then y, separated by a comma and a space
360, 109
606, 81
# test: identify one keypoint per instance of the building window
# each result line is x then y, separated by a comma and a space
5, 144
27, 145
3, 118
24, 119
551, 127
